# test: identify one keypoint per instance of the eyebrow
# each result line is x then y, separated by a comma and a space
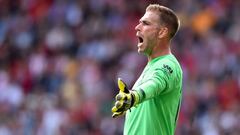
144, 21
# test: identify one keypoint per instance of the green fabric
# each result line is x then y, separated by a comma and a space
160, 90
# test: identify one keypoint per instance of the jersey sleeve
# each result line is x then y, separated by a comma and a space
155, 85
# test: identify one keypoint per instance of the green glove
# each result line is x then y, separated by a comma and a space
125, 99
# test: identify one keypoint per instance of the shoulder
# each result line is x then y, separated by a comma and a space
167, 64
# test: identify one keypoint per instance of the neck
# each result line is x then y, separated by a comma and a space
160, 50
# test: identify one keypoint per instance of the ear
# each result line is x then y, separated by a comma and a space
163, 32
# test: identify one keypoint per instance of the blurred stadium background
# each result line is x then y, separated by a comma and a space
60, 59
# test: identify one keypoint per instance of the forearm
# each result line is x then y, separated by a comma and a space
149, 89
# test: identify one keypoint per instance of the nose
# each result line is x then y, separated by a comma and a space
137, 28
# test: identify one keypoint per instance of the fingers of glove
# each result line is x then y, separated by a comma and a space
114, 109
121, 106
117, 114
118, 105
121, 96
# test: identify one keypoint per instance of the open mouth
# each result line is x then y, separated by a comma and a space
140, 39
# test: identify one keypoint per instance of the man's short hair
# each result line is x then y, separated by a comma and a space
167, 18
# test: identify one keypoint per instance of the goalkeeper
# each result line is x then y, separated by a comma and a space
152, 105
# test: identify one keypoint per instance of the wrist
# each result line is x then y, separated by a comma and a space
135, 98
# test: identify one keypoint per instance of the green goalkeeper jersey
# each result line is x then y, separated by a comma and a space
160, 90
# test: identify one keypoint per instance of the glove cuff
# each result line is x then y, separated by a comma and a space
135, 98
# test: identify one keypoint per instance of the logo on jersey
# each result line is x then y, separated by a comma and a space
169, 69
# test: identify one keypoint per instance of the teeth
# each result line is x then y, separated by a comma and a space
139, 44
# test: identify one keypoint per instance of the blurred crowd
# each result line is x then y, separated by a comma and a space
60, 60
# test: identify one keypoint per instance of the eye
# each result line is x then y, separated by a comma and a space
145, 23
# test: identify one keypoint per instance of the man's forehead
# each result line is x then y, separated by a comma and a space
150, 16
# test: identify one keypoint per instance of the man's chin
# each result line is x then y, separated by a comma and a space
144, 52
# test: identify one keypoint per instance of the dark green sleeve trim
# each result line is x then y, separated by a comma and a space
142, 95
139, 96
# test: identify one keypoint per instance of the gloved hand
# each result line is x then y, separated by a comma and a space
125, 99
